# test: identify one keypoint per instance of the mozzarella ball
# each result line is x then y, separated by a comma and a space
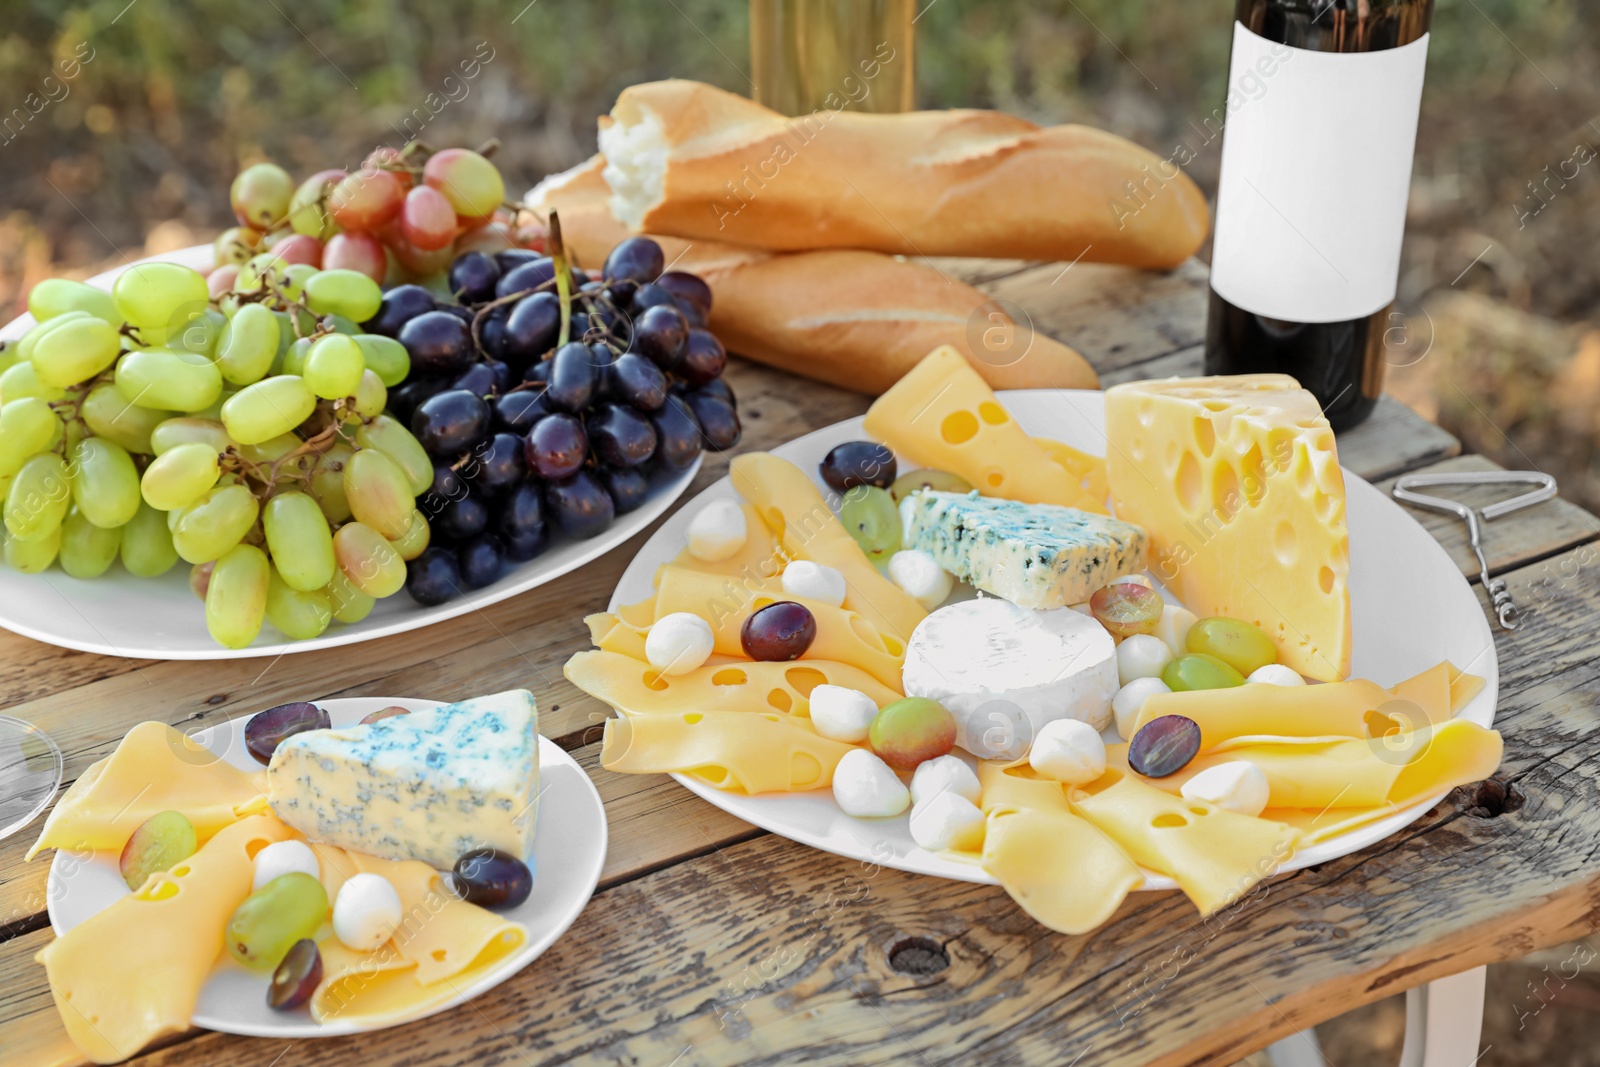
919, 575
1238, 786
947, 821
284, 857
1068, 750
718, 531
1276, 674
814, 581
1130, 699
1174, 627
1141, 656
944, 774
366, 912
865, 787
840, 713
678, 643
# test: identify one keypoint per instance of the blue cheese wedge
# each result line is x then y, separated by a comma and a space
426, 786
1034, 555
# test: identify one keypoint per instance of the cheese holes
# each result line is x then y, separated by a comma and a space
1225, 495
804, 679
439, 955
693, 717
165, 889
1254, 473
255, 845
1169, 821
804, 770
654, 680
1187, 483
780, 699
1325, 578
993, 413
994, 477
959, 427
1205, 436
730, 676
1285, 542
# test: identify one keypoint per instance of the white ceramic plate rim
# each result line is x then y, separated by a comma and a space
866, 840
518, 579
572, 804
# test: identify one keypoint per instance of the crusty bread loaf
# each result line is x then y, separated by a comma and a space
854, 319
690, 160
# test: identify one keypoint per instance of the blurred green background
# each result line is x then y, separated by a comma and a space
135, 152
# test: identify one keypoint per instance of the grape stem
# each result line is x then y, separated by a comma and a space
558, 259
482, 313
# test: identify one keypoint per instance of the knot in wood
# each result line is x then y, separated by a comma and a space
1494, 797
918, 957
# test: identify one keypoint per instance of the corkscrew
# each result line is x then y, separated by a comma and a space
1505, 608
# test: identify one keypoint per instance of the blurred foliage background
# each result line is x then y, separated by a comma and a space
135, 152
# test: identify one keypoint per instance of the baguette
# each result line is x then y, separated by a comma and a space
858, 320
690, 160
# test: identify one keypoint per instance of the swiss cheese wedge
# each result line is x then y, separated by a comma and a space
1238, 484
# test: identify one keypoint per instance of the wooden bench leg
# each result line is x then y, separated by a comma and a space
1444, 1023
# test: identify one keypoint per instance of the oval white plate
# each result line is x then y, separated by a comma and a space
159, 618
1411, 608
568, 851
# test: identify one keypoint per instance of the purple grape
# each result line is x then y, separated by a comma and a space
604, 360
511, 258
660, 334
472, 277
719, 421
678, 434
636, 381
719, 388
408, 395
266, 729
649, 295
517, 411
477, 379
620, 436
461, 519
520, 522
778, 632
438, 342
433, 577
492, 332
692, 312
529, 275
491, 878
447, 485
464, 314
703, 358
572, 378
497, 465
579, 505
532, 329
480, 560
451, 422
296, 977
689, 287
636, 259
858, 463
556, 446
538, 373
399, 306
1164, 746
627, 485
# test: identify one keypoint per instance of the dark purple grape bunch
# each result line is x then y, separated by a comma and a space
531, 435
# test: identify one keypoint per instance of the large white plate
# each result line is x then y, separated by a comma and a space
159, 618
1411, 608
568, 851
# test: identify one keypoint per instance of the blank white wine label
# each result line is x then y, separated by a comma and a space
1316, 167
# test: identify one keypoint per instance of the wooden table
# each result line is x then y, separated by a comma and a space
712, 942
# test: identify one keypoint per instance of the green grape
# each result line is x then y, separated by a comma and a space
350, 605
379, 493
259, 197
370, 397
386, 357
27, 426
369, 561
159, 299
343, 292
108, 415
870, 516
299, 614
86, 549
22, 348
256, 270
272, 449
295, 276
385, 434
161, 842
1197, 670
31, 557
105, 485
333, 366
21, 380
1241, 645
38, 498
236, 596
168, 380
147, 545
235, 245
341, 325
216, 524
327, 482
201, 333
189, 429
294, 360
58, 296
248, 345
308, 212
268, 408
180, 476
299, 540
416, 537
269, 921
75, 351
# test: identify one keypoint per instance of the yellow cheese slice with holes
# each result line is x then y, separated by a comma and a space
1357, 708
1089, 472
154, 769
942, 414
635, 688
731, 750
757, 566
133, 972
1238, 484
806, 527
609, 633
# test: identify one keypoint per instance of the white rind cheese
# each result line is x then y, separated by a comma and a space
1004, 671
1035, 555
426, 786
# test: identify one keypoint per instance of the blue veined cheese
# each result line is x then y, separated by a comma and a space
426, 786
1034, 555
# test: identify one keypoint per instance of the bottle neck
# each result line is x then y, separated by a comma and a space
1337, 25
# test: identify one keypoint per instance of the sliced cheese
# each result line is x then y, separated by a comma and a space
732, 750
942, 414
1429, 691
611, 634
806, 527
1356, 708
132, 972
635, 688
154, 769
1238, 484
1058, 867
1090, 471
1463, 687
757, 567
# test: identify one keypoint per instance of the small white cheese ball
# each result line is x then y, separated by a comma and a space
944, 774
1238, 786
947, 821
718, 531
366, 912
1130, 699
865, 787
920, 576
678, 643
1276, 674
1174, 627
814, 581
1141, 656
840, 713
284, 857
1068, 750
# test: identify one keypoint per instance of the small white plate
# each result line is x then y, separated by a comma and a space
1410, 608
568, 851
118, 614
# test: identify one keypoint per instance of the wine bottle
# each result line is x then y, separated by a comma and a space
1319, 131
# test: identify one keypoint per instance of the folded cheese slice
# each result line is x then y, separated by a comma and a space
153, 769
636, 688
1357, 708
756, 568
731, 750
